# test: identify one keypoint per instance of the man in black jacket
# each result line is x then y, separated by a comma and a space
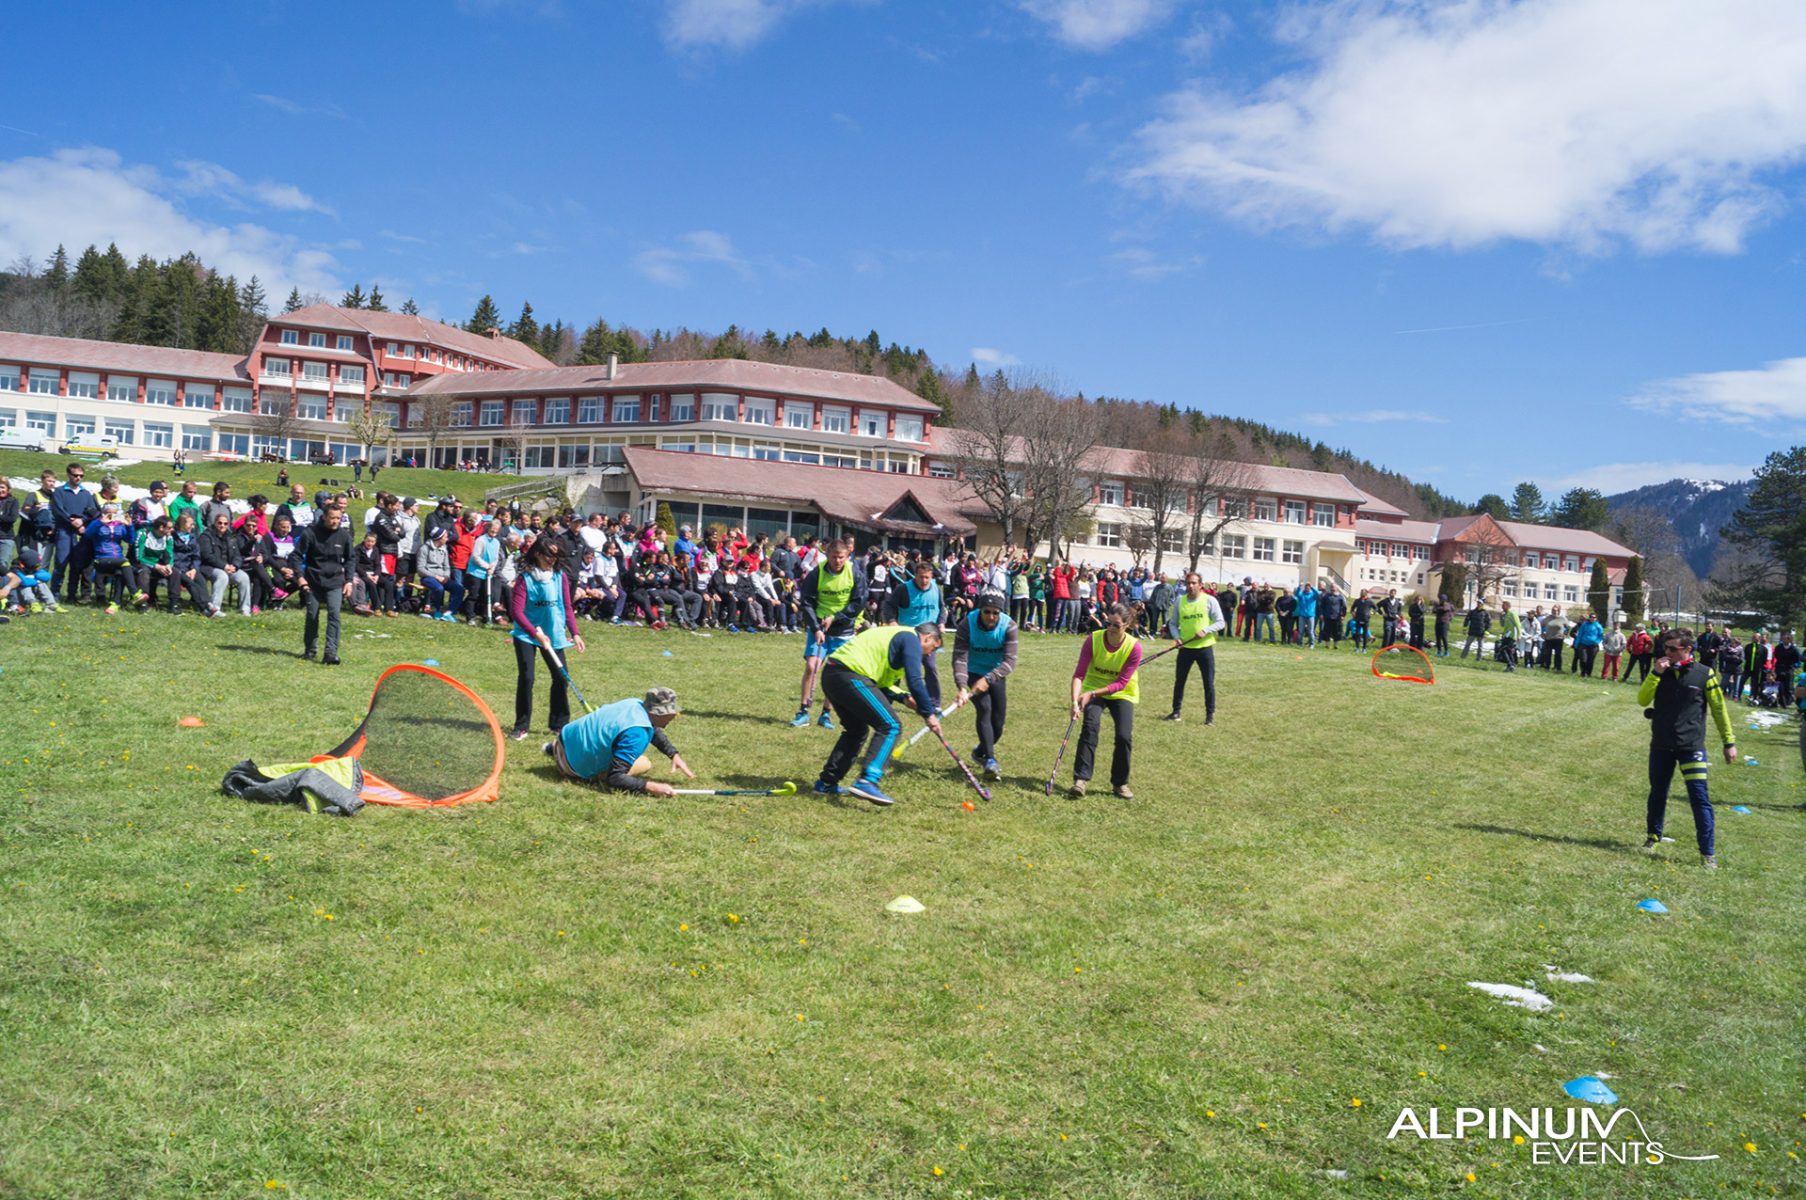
222, 563
1444, 613
325, 579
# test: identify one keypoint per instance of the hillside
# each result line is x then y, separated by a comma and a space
1695, 509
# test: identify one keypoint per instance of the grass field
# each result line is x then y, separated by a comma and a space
247, 478
572, 994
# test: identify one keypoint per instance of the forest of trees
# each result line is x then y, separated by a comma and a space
183, 303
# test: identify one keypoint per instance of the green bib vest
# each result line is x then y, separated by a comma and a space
1105, 667
868, 654
832, 591
1194, 615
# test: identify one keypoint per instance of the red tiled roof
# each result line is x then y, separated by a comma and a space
854, 497
1255, 478
1545, 537
1426, 532
86, 355
1374, 506
707, 375
400, 327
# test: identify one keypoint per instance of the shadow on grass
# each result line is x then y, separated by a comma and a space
707, 714
261, 650
1563, 839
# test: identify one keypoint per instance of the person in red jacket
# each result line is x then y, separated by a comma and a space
1641, 648
463, 540
1064, 617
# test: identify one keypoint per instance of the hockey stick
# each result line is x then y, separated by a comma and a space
984, 793
783, 789
921, 733
564, 673
1061, 757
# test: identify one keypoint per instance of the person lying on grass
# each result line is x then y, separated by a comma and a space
608, 746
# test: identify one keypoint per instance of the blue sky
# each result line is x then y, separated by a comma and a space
1475, 241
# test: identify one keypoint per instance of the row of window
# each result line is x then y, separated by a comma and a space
1266, 508
1264, 549
710, 406
283, 370
161, 435
1568, 592
314, 339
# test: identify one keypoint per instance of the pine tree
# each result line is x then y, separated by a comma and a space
409, 308
116, 273
1581, 508
90, 280
353, 298
57, 273
525, 329
293, 302
665, 521
1494, 506
1773, 524
1527, 504
219, 321
375, 301
485, 318
253, 313
1636, 604
137, 300
1599, 591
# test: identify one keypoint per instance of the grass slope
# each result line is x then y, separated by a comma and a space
247, 478
574, 994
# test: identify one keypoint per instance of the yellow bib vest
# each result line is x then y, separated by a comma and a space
832, 591
1106, 666
868, 654
1194, 615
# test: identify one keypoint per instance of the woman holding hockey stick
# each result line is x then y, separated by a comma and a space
1106, 680
544, 623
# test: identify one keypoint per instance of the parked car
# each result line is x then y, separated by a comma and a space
24, 439
327, 459
103, 444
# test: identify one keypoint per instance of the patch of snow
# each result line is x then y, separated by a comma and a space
1515, 996
1334, 1173
1766, 720
1539, 1048
1557, 975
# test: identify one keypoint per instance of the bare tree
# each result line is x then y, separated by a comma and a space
371, 429
1216, 485
1059, 464
32, 303
1138, 536
995, 420
276, 419
1162, 485
1488, 558
431, 414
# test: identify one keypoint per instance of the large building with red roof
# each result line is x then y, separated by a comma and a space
771, 448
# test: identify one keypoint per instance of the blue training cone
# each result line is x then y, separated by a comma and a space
1652, 906
1590, 1088
429, 662
667, 654
1740, 808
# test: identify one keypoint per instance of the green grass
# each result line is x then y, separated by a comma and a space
1178, 996
248, 478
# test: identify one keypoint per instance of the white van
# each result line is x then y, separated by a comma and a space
103, 444
23, 439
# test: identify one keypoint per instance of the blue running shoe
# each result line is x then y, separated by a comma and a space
867, 789
801, 720
992, 771
824, 788
827, 720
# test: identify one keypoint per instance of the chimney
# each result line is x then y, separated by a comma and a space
614, 365
495, 333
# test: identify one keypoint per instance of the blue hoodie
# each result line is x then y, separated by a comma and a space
1306, 596
1589, 633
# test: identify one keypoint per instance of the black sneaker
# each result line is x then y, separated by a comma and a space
331, 660
1172, 716
1210, 720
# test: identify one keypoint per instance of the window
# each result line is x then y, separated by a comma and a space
160, 391
1265, 510
1400, 550
683, 408
9, 379
1292, 552
1323, 515
44, 383
197, 395
1570, 593
345, 409
280, 367
589, 410
1263, 549
343, 342
1235, 506
197, 437
84, 386
765, 452
314, 371
42, 422
291, 337
760, 412
317, 340
1235, 545
351, 377
909, 429
1110, 492
838, 460
235, 400
573, 456
798, 415
1109, 534
1530, 559
608, 452
523, 412
1294, 512
159, 434
543, 455
941, 471
78, 427
1549, 591
899, 466
1173, 541
9, 418
627, 408
1570, 563
1511, 588
493, 412
311, 408
720, 406
460, 415
872, 423
558, 411
121, 431
835, 420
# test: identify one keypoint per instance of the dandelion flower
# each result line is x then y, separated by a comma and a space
1471, 1178
683, 929
1442, 1046
1517, 1139
1750, 1146
733, 918
1355, 1103
1211, 1113
938, 1172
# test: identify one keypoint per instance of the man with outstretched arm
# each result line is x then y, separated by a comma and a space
1678, 695
1193, 627
984, 654
608, 747
856, 679
833, 596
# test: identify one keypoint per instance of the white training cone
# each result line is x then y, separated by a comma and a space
905, 904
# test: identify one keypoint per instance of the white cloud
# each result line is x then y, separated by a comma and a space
91, 195
1139, 262
670, 265
202, 178
725, 24
1612, 478
296, 108
1375, 416
1773, 393
1098, 24
1579, 123
989, 357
